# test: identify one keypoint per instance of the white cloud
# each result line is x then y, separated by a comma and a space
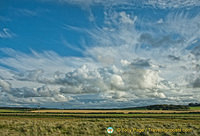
125, 62
47, 60
26, 12
160, 21
125, 18
134, 3
172, 3
120, 83
6, 33
117, 81
4, 85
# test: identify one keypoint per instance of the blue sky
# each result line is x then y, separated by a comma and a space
92, 53
40, 26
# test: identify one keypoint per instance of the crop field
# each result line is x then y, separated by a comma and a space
69, 123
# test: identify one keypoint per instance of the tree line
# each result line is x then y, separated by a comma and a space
167, 107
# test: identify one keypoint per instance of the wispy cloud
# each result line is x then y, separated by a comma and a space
5, 19
26, 12
163, 4
172, 3
6, 33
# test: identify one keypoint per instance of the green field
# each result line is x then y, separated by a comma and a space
8, 110
66, 124
195, 108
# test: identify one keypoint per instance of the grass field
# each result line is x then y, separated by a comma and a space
60, 123
116, 111
195, 108
8, 110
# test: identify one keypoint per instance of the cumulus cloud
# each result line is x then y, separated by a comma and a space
196, 83
119, 83
4, 85
25, 95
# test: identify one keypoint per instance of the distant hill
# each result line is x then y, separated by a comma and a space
193, 104
150, 107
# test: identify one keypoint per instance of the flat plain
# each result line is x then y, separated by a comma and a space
96, 122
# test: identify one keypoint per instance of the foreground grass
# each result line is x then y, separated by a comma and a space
73, 126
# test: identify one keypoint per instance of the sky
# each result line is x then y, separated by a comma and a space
99, 53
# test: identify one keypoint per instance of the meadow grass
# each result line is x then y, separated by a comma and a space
195, 108
115, 111
8, 110
51, 125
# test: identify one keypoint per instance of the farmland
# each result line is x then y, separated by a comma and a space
115, 111
95, 122
195, 108
8, 110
